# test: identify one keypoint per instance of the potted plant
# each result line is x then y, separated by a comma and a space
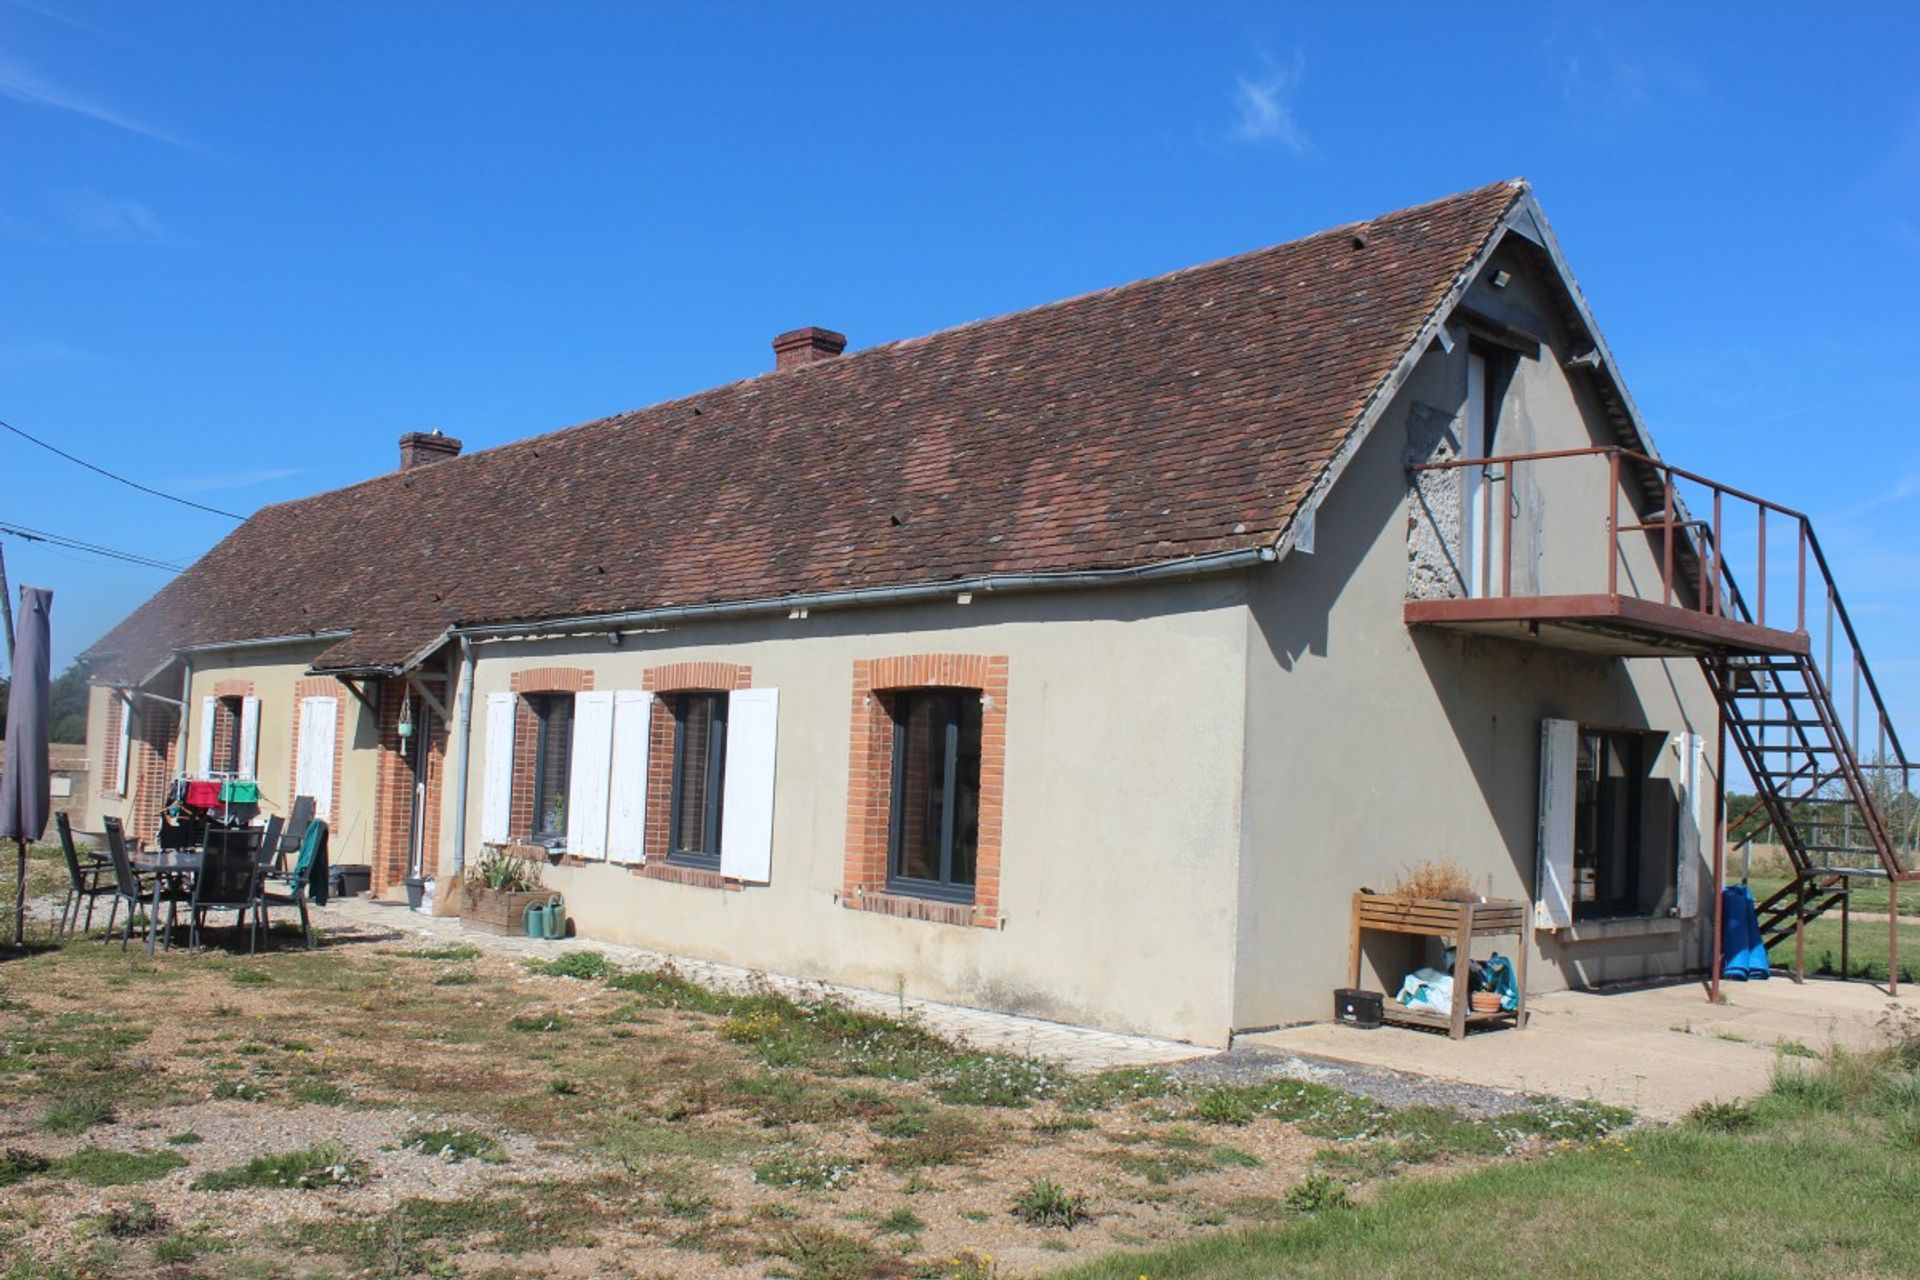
499, 888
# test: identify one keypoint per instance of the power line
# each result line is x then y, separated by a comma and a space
93, 548
131, 484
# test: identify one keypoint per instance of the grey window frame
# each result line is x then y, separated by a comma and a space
677, 706
943, 889
537, 703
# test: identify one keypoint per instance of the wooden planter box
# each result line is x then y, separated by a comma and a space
496, 911
1440, 918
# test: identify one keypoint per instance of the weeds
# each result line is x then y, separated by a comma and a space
70, 1116
308, 1169
1045, 1203
1317, 1192
454, 1145
806, 1170
586, 966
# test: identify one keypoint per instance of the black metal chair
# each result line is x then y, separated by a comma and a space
88, 879
134, 888
229, 880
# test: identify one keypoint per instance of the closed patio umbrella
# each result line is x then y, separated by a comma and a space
24, 791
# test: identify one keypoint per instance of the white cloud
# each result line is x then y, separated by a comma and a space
23, 84
1265, 107
95, 215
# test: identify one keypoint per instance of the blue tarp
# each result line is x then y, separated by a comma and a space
1742, 953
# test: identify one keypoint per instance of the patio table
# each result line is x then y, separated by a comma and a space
164, 864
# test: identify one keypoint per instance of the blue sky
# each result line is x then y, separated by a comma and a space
245, 246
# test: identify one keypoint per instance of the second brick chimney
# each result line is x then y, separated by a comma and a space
805, 346
418, 448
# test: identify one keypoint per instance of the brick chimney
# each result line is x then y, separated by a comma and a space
418, 448
806, 346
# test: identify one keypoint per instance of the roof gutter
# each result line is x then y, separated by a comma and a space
914, 593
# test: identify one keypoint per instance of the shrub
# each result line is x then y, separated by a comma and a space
1045, 1203
1316, 1192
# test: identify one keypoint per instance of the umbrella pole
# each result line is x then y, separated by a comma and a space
20, 896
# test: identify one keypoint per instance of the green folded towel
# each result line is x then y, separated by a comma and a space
235, 791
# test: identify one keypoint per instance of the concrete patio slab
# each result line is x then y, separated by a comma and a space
1658, 1050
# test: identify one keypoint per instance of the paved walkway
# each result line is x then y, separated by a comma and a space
1079, 1048
1660, 1050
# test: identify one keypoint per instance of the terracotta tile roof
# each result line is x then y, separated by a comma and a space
1167, 418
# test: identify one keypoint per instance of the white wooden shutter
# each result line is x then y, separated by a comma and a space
587, 774
1553, 884
746, 822
1696, 820
249, 738
125, 746
627, 803
207, 706
497, 788
313, 754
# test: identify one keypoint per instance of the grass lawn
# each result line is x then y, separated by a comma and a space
382, 1108
1817, 1179
1866, 949
1868, 894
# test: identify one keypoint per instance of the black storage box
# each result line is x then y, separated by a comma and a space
1357, 1008
350, 880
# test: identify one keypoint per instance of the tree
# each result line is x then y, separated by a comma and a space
67, 706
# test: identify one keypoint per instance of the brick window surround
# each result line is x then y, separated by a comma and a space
227, 695
526, 738
870, 781
663, 682
319, 687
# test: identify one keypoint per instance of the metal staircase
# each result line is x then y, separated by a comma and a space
1796, 722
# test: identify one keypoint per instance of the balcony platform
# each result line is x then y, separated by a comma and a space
1617, 626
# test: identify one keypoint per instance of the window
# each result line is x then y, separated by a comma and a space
1624, 827
552, 754
699, 778
934, 824
226, 736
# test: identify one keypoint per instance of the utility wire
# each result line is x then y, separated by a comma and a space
93, 548
131, 484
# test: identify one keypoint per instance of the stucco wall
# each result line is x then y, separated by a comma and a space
274, 672
1371, 745
1120, 820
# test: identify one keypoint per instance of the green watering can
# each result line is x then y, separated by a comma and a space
547, 919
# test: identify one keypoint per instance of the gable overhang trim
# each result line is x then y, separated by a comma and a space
1523, 218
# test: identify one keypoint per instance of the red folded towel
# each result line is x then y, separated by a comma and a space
203, 795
